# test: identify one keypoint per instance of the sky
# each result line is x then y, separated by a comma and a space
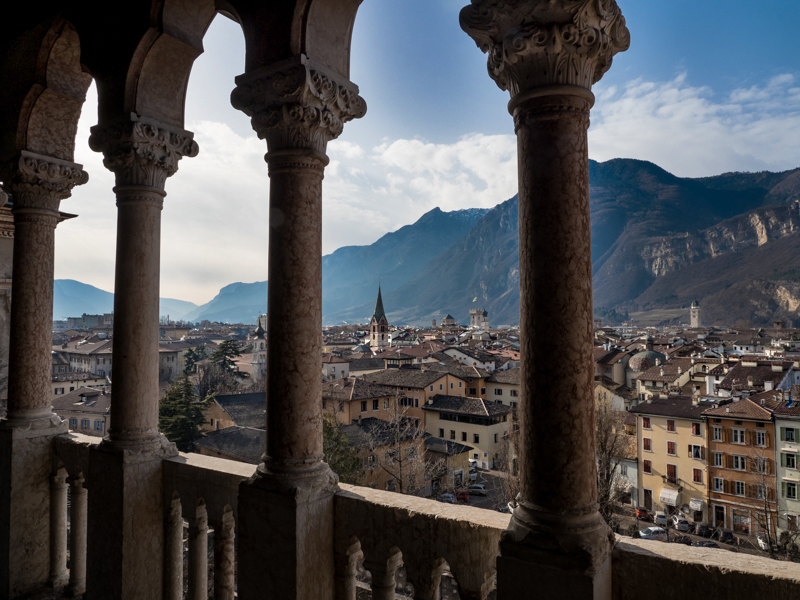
705, 88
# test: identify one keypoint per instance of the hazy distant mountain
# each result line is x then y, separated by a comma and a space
351, 274
235, 303
72, 299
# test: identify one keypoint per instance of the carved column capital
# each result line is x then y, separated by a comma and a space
39, 183
141, 151
537, 43
297, 104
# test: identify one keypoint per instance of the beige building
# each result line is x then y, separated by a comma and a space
473, 421
503, 387
672, 449
414, 387
350, 399
86, 410
64, 383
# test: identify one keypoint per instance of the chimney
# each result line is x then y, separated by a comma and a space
711, 385
695, 400
727, 410
768, 385
658, 362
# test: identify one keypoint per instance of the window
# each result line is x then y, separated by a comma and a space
476, 439
498, 391
739, 462
375, 405
84, 423
513, 405
695, 428
513, 393
788, 460
441, 433
647, 445
363, 406
463, 436
761, 438
386, 403
670, 425
623, 470
459, 383
739, 488
431, 388
441, 387
452, 434
495, 438
717, 432
718, 484
472, 391
789, 490
416, 402
59, 391
73, 423
738, 436
761, 464
645, 422
718, 459
697, 475
672, 473
483, 391
451, 385
696, 452
788, 434
672, 448
98, 426
647, 466
761, 491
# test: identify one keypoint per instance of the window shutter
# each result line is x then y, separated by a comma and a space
771, 494
783, 437
769, 468
703, 452
783, 483
690, 451
766, 439
783, 459
748, 490
726, 486
728, 460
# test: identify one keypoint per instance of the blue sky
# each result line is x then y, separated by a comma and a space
706, 87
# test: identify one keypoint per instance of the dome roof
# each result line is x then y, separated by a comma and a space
695, 304
641, 361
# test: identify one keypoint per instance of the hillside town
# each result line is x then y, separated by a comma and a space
698, 427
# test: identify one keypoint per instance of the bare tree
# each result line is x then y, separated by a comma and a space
507, 459
613, 445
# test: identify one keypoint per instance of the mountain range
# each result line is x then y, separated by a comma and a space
732, 242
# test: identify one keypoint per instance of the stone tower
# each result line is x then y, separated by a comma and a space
259, 359
694, 315
378, 326
478, 318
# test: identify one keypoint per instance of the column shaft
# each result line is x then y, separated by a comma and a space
134, 416
77, 537
173, 552
294, 388
58, 529
557, 467
224, 568
198, 555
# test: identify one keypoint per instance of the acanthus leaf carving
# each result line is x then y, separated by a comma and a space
534, 43
297, 105
140, 152
42, 182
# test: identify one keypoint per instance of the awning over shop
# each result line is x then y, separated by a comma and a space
696, 504
669, 496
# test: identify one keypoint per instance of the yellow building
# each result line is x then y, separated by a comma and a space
671, 449
473, 421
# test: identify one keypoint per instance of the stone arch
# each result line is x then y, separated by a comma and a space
51, 99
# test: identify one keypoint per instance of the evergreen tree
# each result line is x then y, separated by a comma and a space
180, 413
224, 355
193, 356
338, 452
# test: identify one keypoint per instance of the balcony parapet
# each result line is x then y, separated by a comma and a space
391, 530
660, 571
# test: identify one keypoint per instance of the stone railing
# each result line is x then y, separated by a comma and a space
390, 531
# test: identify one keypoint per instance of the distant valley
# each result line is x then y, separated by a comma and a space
658, 242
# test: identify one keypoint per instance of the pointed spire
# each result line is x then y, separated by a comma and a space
379, 313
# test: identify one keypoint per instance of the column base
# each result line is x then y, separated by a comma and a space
26, 465
285, 533
125, 526
558, 556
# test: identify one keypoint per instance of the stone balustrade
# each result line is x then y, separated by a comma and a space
383, 532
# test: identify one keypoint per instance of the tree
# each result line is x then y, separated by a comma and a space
340, 454
224, 355
193, 356
613, 445
180, 413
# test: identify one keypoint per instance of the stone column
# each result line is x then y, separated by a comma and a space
77, 536
58, 529
346, 563
125, 469
224, 568
548, 54
198, 554
173, 551
36, 184
383, 573
297, 107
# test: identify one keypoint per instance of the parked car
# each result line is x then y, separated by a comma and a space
504, 508
477, 489
643, 514
652, 531
659, 518
706, 544
681, 539
462, 496
680, 523
449, 498
702, 530
473, 475
726, 537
